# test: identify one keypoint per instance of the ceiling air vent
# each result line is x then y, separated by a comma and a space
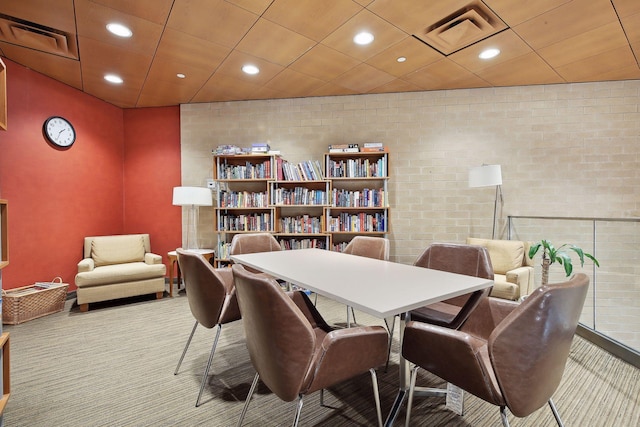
462, 28
35, 36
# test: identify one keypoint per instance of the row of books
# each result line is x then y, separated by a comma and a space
288, 244
365, 198
300, 224
252, 222
358, 223
242, 199
309, 170
247, 171
357, 168
299, 196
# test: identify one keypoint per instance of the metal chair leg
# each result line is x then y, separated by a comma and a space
296, 419
206, 370
185, 348
376, 395
555, 413
412, 386
246, 402
503, 416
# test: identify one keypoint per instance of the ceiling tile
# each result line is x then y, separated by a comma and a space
254, 6
294, 84
291, 45
39, 11
363, 78
598, 68
397, 85
214, 20
413, 16
417, 54
528, 69
510, 45
443, 74
385, 35
155, 11
324, 63
232, 66
311, 18
191, 51
517, 12
626, 7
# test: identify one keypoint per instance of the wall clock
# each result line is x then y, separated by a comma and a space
59, 131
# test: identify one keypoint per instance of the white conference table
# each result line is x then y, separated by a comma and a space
380, 288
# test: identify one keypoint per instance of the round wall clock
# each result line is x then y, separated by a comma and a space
59, 131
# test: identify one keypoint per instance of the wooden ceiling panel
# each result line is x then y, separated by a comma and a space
311, 18
566, 21
91, 24
232, 66
324, 63
40, 12
585, 45
385, 35
363, 78
65, 70
191, 51
156, 11
417, 55
514, 13
294, 84
510, 45
523, 70
306, 48
292, 45
214, 20
596, 68
442, 73
413, 16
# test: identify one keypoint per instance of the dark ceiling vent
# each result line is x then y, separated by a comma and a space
462, 28
35, 36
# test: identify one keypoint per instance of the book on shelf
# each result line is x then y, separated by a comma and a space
344, 148
373, 144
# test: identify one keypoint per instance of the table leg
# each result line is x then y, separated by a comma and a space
171, 278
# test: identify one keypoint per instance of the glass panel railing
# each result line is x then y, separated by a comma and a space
612, 308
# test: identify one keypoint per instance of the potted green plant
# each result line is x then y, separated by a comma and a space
551, 254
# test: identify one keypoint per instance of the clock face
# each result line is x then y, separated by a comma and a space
59, 131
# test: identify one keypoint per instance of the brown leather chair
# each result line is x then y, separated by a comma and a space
510, 355
469, 260
251, 243
370, 247
292, 348
212, 300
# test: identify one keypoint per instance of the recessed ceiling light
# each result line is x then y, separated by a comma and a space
250, 69
180, 76
112, 78
363, 38
489, 53
401, 59
119, 30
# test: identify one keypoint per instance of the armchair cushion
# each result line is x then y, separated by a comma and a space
109, 250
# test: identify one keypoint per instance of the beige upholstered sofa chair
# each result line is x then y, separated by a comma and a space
118, 267
512, 267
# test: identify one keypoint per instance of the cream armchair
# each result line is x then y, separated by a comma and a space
118, 267
512, 267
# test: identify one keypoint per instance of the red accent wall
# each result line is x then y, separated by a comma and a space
57, 197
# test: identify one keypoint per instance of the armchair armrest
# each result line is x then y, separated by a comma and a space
523, 277
86, 264
150, 258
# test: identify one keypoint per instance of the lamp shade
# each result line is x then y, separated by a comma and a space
485, 176
192, 196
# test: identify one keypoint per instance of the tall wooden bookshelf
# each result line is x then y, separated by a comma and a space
360, 204
252, 195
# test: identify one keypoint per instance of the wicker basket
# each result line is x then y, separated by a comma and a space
33, 301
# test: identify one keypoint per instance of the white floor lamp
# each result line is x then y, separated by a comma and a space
193, 197
488, 176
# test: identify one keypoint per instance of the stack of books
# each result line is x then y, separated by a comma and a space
344, 148
373, 147
260, 148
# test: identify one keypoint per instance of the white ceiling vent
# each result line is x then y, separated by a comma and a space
462, 28
34, 36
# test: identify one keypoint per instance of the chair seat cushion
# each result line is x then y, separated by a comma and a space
128, 272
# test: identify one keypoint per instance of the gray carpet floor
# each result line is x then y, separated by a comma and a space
113, 366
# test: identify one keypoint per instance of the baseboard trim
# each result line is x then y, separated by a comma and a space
610, 345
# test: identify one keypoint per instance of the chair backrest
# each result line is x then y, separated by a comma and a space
369, 246
505, 255
279, 337
530, 347
251, 243
124, 240
212, 300
470, 260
